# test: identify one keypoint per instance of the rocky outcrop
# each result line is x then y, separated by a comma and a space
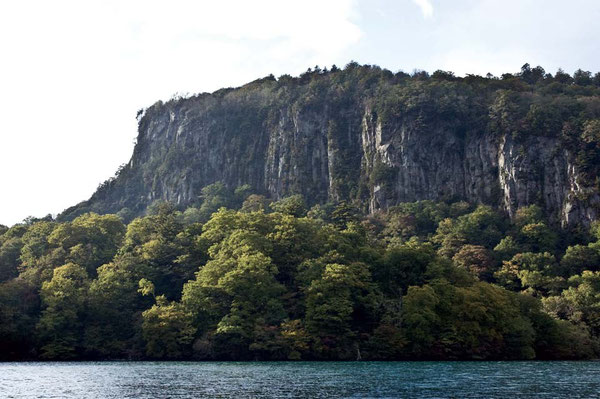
338, 144
479, 167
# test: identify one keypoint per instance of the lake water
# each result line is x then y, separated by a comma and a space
301, 380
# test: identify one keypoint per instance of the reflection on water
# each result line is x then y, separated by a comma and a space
301, 380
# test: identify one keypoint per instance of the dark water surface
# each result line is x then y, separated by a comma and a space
303, 380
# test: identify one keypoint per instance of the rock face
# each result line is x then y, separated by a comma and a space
334, 137
478, 167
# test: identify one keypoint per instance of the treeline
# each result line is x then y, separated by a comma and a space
527, 76
241, 277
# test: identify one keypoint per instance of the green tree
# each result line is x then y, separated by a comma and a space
582, 78
537, 237
481, 321
578, 258
10, 251
507, 248
528, 215
90, 240
344, 214
236, 291
61, 324
214, 196
255, 203
338, 306
38, 258
169, 250
537, 271
580, 303
112, 328
167, 329
404, 265
293, 205
19, 311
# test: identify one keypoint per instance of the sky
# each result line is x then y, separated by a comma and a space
74, 73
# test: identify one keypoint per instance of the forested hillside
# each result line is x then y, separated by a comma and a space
242, 277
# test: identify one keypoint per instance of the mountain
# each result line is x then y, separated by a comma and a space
366, 135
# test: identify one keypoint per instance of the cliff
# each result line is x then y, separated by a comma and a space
367, 135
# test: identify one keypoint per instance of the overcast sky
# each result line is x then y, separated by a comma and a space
74, 73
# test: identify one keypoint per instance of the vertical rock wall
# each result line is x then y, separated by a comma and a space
331, 152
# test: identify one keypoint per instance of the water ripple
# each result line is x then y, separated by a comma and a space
301, 380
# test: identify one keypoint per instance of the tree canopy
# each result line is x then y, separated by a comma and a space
242, 277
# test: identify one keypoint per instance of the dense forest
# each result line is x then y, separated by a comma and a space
237, 276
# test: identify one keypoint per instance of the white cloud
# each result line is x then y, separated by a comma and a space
492, 36
425, 6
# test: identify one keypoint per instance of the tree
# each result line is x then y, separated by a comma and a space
443, 75
240, 194
578, 258
90, 240
420, 318
214, 196
483, 226
126, 215
334, 306
507, 248
112, 327
403, 266
255, 203
60, 327
10, 251
563, 77
343, 214
580, 303
475, 322
582, 78
255, 301
538, 271
167, 329
191, 215
527, 215
591, 132
19, 311
293, 205
530, 75
538, 237
293, 240
236, 292
38, 258
477, 260
161, 243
